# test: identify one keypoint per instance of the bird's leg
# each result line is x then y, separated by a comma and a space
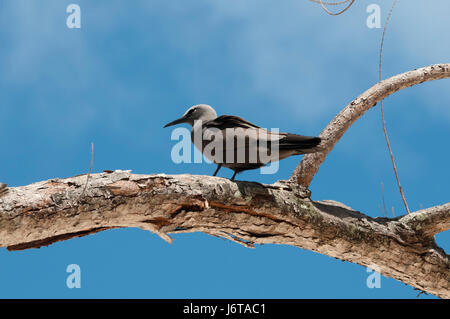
234, 175
217, 170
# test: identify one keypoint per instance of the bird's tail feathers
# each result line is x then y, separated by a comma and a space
301, 144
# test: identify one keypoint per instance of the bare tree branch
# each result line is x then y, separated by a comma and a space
308, 167
248, 213
430, 221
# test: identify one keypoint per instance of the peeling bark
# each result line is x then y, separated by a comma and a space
247, 213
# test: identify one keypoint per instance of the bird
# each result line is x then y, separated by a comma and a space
249, 139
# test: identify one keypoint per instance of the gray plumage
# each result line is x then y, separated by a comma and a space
250, 140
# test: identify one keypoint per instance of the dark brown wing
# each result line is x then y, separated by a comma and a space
229, 121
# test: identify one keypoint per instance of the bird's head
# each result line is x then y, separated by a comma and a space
200, 112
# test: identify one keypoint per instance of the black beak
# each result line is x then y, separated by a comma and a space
180, 120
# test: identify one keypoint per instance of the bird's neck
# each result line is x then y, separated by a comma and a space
197, 125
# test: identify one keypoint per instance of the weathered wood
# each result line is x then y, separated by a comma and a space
248, 213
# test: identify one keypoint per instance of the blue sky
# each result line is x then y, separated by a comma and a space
134, 66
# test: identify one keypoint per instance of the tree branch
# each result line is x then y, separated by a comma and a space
429, 221
308, 167
248, 213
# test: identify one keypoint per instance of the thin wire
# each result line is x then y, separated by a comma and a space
90, 170
382, 197
330, 3
337, 13
382, 113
